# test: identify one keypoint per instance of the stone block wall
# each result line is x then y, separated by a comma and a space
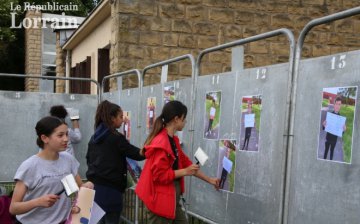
32, 53
145, 32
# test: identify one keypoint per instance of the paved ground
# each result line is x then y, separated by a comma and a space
214, 133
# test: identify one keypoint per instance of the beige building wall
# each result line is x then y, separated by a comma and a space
33, 49
98, 38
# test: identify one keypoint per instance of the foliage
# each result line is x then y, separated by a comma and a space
12, 40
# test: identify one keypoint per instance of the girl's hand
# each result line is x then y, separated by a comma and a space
75, 210
48, 200
88, 184
215, 182
191, 170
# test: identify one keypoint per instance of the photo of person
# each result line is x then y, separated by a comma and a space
169, 93
212, 115
126, 127
250, 123
226, 164
336, 124
150, 118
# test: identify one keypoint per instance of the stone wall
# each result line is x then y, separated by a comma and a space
32, 53
144, 32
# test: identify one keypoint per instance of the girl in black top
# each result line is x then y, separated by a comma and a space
106, 160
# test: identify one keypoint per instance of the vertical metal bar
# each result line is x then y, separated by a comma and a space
299, 46
262, 36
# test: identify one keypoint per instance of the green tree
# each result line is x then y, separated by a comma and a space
12, 40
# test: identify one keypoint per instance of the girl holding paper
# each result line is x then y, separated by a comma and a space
38, 178
162, 180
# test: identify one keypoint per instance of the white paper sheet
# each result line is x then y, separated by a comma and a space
249, 120
335, 124
227, 164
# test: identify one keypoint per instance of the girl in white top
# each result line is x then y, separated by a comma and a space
74, 132
38, 179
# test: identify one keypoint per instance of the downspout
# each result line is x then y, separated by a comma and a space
67, 70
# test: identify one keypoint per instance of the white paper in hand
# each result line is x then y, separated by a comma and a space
70, 184
201, 156
73, 113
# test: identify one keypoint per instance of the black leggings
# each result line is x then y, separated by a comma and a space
331, 146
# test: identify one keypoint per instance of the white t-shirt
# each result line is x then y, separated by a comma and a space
43, 177
74, 137
212, 112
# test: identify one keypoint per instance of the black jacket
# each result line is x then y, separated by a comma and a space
106, 159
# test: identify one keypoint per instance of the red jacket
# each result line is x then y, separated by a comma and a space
156, 186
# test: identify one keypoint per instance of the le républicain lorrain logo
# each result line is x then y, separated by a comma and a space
40, 22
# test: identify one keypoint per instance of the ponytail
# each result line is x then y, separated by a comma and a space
105, 112
171, 110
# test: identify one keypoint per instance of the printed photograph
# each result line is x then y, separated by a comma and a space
126, 126
336, 124
212, 115
150, 113
250, 123
169, 93
226, 164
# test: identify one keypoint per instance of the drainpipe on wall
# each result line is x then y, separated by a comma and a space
67, 70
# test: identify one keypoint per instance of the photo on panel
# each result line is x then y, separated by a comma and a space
250, 123
336, 124
226, 164
212, 115
169, 93
150, 113
126, 126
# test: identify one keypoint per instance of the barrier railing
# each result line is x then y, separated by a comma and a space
270, 34
55, 78
299, 46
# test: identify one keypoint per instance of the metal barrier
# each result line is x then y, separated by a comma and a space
121, 74
270, 34
169, 61
299, 47
55, 78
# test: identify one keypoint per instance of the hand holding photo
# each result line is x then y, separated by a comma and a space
201, 156
69, 184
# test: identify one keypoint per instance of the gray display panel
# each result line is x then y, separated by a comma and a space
321, 190
20, 112
258, 183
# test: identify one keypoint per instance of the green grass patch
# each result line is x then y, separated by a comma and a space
348, 112
325, 102
232, 158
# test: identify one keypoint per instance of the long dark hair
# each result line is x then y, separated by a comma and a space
171, 110
46, 126
104, 112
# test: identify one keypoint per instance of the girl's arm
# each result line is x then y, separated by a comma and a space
211, 180
188, 171
18, 206
81, 184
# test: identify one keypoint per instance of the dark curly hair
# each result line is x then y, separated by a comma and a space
58, 111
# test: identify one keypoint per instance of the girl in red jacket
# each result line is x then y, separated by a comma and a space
162, 180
